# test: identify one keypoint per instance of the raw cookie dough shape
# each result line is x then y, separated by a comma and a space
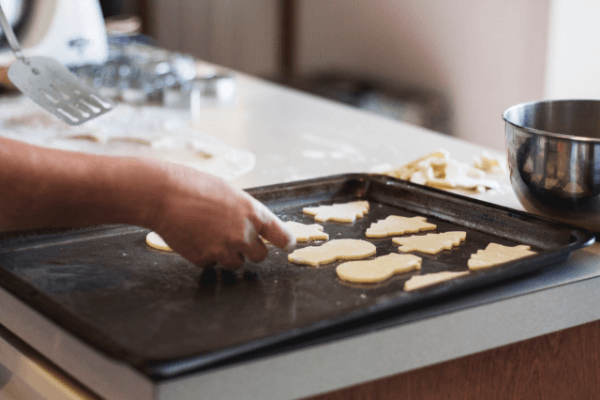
431, 243
406, 171
421, 281
379, 269
490, 164
304, 233
344, 212
154, 240
395, 225
495, 254
339, 249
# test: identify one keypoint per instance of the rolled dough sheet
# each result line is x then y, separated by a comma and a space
339, 249
379, 269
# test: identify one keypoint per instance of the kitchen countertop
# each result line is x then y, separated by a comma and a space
296, 136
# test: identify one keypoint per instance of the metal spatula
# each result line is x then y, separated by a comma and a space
51, 85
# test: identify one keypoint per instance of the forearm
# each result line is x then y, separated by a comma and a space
48, 188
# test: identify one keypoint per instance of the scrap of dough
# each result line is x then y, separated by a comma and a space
440, 171
396, 225
344, 212
379, 269
488, 163
304, 233
495, 254
450, 174
431, 243
339, 249
407, 170
421, 281
154, 240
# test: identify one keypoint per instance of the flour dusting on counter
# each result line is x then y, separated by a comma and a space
146, 131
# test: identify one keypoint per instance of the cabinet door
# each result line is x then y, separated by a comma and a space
242, 35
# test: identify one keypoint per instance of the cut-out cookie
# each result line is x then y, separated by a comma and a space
154, 240
345, 212
339, 249
421, 281
396, 225
431, 243
379, 269
304, 233
495, 254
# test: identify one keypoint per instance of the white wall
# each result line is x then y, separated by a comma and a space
573, 69
483, 55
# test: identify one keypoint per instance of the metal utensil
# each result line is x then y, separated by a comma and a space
51, 85
554, 159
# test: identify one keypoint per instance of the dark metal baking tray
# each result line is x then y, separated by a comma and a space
166, 317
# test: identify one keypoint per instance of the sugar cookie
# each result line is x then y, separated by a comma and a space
154, 240
431, 243
344, 212
495, 254
339, 249
421, 281
396, 225
304, 233
379, 269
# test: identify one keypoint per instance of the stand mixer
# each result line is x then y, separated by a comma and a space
71, 31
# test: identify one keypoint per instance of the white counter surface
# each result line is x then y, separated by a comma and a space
296, 136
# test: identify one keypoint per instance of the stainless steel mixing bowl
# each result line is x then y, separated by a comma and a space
554, 159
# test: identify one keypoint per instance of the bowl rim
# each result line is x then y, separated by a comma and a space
547, 133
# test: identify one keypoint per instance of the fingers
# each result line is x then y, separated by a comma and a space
232, 261
257, 251
272, 228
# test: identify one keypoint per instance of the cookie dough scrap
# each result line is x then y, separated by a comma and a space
154, 240
344, 212
395, 225
495, 254
304, 233
432, 243
451, 174
440, 171
379, 269
421, 281
490, 164
407, 170
338, 249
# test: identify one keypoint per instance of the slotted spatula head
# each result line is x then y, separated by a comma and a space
55, 88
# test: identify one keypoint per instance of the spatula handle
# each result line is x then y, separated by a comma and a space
10, 35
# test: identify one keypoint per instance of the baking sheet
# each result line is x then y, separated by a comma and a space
166, 317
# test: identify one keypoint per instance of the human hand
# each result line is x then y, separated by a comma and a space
205, 220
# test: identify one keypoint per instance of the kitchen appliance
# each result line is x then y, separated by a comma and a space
71, 31
554, 159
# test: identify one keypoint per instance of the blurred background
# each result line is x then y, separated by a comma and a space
451, 66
